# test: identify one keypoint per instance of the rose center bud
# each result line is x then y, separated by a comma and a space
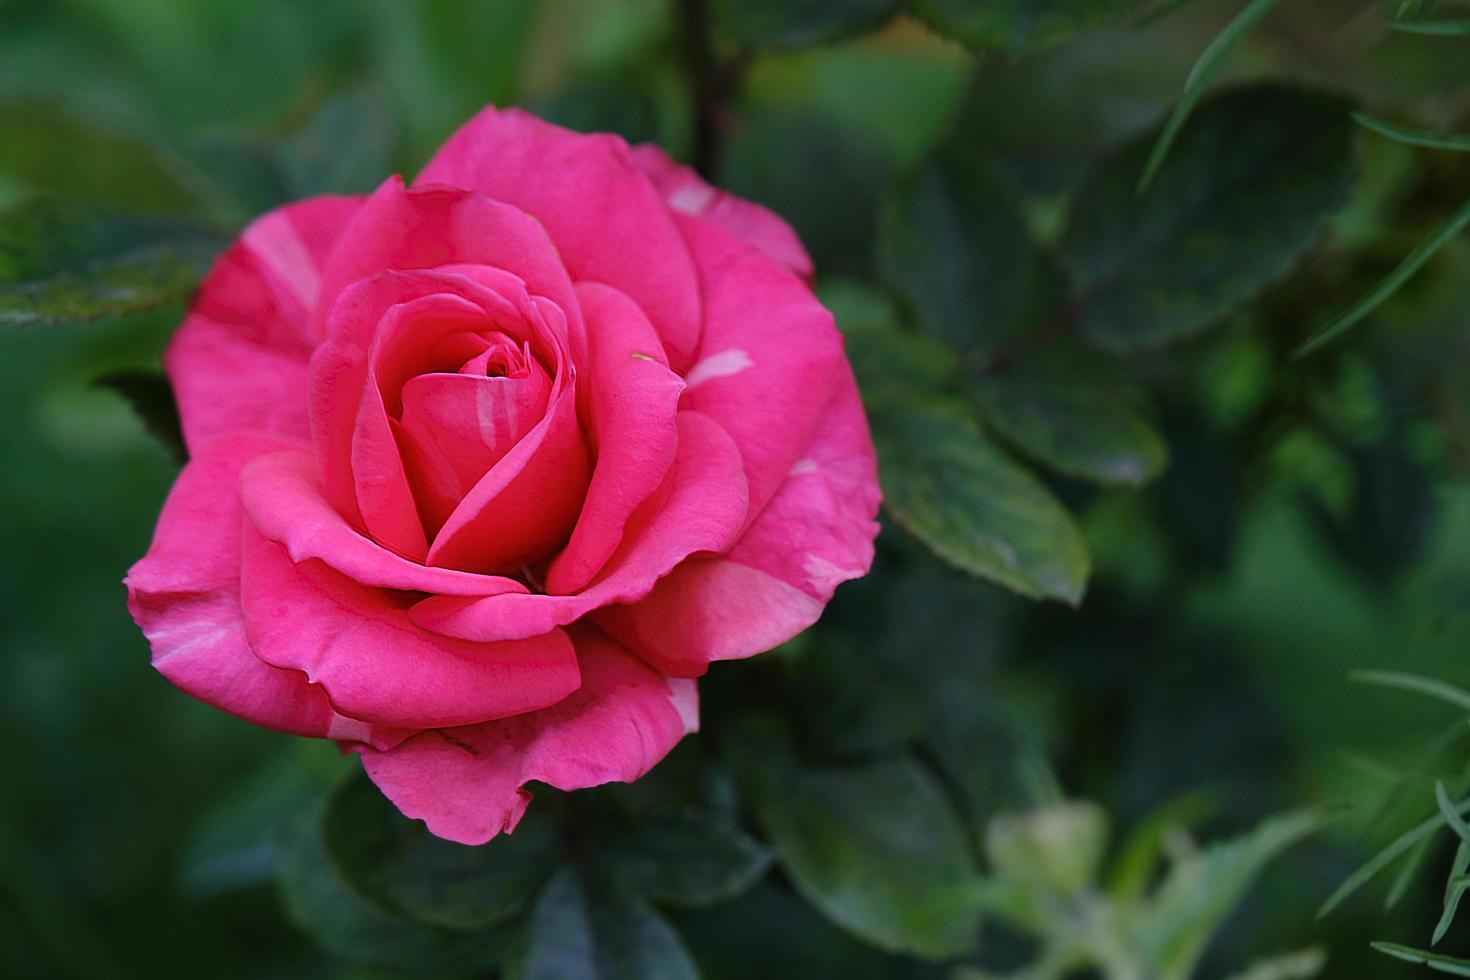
456, 424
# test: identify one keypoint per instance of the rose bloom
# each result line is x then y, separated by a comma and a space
485, 471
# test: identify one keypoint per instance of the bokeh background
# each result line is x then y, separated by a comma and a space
1230, 599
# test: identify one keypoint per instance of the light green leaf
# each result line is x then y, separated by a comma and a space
1015, 26
798, 23
577, 932
1403, 843
61, 262
1289, 966
1078, 426
1454, 890
1435, 28
972, 505
1390, 284
876, 847
1435, 961
691, 858
1449, 693
1204, 69
1451, 816
396, 863
1251, 186
1053, 850
1414, 137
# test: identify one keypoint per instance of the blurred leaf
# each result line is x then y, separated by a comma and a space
1288, 966
578, 933
402, 867
1435, 961
351, 928
1199, 76
1138, 857
1055, 850
601, 106
1402, 844
60, 263
1414, 137
1015, 26
822, 177
1455, 886
1436, 28
692, 858
152, 399
973, 506
1391, 283
346, 147
1079, 426
797, 23
877, 847
1459, 697
51, 150
1250, 187
954, 246
1201, 889
893, 366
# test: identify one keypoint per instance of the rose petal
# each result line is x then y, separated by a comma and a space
687, 192
635, 401
699, 507
816, 532
770, 359
608, 222
239, 359
467, 783
374, 663
185, 596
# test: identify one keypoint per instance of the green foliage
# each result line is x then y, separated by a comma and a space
1015, 26
150, 396
1249, 188
691, 858
795, 23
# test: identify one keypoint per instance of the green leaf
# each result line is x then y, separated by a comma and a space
691, 858
1300, 965
399, 865
1434, 28
876, 847
894, 367
576, 932
351, 928
1403, 843
1390, 284
946, 484
346, 147
1454, 888
1435, 961
1077, 426
798, 23
954, 246
1250, 188
60, 262
152, 399
1451, 816
1053, 850
1201, 889
1414, 137
1194, 85
1015, 26
1449, 693
51, 150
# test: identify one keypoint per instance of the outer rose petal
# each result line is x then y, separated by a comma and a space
239, 359
466, 783
770, 359
608, 222
375, 664
185, 596
814, 534
699, 507
687, 192
634, 400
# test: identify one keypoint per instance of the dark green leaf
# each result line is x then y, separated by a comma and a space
402, 867
1442, 690
893, 366
691, 858
796, 23
346, 147
1251, 185
1414, 137
1015, 25
60, 263
1458, 882
152, 399
50, 150
1404, 843
1435, 961
1076, 425
1435, 28
975, 507
578, 933
351, 928
877, 848
954, 246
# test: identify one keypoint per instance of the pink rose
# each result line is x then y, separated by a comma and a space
487, 470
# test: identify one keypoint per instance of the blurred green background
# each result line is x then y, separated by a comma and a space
1311, 519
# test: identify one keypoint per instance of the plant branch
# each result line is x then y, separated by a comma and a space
711, 84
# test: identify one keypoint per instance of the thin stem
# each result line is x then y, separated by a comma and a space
708, 86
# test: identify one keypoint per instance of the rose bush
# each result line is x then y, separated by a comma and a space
486, 470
